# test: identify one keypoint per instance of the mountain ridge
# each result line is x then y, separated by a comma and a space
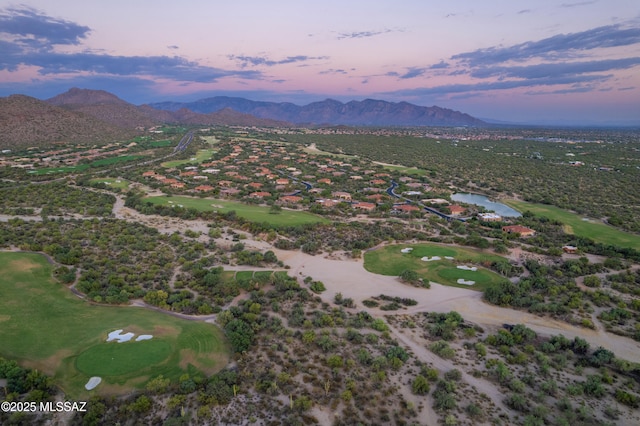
84, 115
369, 112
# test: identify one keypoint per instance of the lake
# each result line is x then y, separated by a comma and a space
480, 200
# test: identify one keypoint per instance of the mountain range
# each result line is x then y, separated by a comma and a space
89, 116
369, 112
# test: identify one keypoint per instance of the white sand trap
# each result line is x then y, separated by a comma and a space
465, 282
407, 250
144, 337
93, 382
467, 268
449, 257
430, 259
117, 335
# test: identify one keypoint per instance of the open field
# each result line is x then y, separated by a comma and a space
578, 225
201, 156
406, 170
161, 144
391, 261
312, 149
45, 326
111, 182
250, 212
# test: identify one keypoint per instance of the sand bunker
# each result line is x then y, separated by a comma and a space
93, 382
117, 335
406, 250
120, 337
430, 259
449, 257
465, 282
467, 268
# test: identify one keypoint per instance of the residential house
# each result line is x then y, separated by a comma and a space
519, 229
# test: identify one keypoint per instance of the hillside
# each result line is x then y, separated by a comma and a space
105, 107
369, 112
26, 121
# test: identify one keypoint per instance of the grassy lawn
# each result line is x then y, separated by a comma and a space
111, 182
114, 160
391, 261
45, 326
407, 170
250, 212
160, 144
201, 156
577, 225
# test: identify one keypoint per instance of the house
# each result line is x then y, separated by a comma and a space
376, 197
489, 217
364, 206
406, 208
177, 185
325, 180
294, 199
260, 194
327, 203
228, 192
149, 173
282, 181
204, 188
519, 229
570, 249
456, 210
341, 195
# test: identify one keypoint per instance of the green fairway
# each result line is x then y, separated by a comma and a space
406, 170
201, 156
45, 326
114, 359
111, 182
391, 261
250, 212
114, 160
578, 225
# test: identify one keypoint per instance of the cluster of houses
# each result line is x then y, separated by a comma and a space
269, 172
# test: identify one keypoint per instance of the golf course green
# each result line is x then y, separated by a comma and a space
44, 326
443, 266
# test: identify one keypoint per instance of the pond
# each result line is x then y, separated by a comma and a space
480, 200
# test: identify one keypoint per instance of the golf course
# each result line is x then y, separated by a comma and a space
578, 225
252, 213
437, 263
46, 327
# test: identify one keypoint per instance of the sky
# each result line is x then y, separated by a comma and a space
541, 62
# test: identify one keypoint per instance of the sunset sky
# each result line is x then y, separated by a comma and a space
559, 62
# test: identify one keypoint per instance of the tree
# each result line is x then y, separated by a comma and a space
409, 276
240, 335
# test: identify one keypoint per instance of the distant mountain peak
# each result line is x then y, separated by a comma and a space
369, 112
77, 96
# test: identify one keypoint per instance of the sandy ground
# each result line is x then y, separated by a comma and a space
352, 280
